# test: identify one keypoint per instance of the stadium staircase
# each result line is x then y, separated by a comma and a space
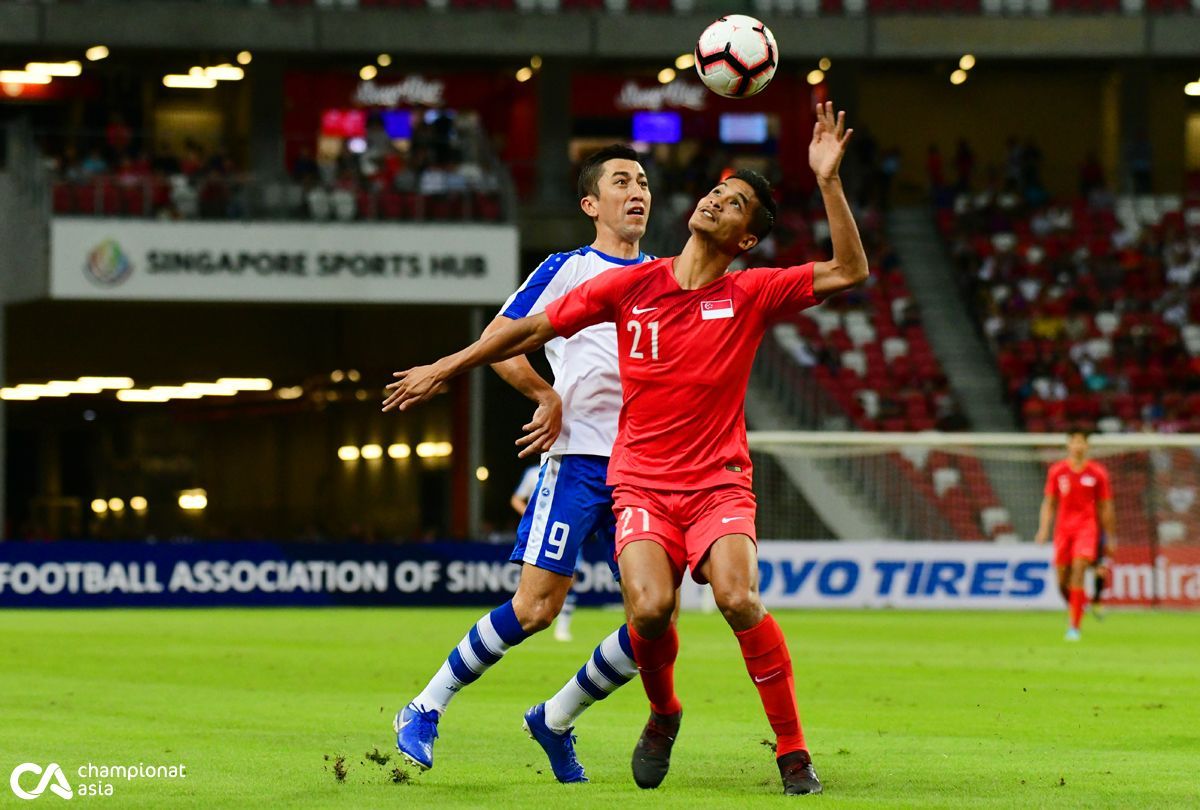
952, 333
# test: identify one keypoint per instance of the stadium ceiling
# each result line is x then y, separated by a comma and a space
194, 25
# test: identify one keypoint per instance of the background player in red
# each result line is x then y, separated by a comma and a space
1079, 488
687, 334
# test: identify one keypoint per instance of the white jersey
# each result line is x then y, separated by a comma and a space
586, 376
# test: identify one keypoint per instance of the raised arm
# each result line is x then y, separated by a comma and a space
848, 267
419, 384
1108, 522
543, 428
1044, 517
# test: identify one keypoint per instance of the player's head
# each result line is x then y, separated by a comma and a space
737, 214
613, 191
1077, 443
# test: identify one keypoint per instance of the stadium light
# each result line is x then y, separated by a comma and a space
96, 53
337, 376
141, 395
825, 64
175, 392
18, 394
1192, 88
958, 77
816, 76
210, 389
43, 390
244, 57
666, 75
193, 500
225, 73
535, 62
368, 72
293, 392
107, 383
186, 82
399, 450
246, 383
685, 61
348, 452
23, 77
353, 376
434, 449
482, 473
72, 68
384, 59
967, 62
524, 74
371, 452
116, 505
99, 506
138, 504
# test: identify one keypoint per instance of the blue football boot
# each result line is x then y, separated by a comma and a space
558, 745
415, 732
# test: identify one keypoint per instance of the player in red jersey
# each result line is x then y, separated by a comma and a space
1079, 489
687, 334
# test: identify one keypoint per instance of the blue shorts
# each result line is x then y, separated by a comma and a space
572, 503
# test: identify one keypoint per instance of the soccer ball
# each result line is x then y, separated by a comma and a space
736, 56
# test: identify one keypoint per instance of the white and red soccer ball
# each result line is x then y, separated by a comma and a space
736, 56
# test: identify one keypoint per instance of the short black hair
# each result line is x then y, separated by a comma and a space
1079, 430
763, 219
593, 167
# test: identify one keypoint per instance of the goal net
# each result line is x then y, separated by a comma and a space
964, 486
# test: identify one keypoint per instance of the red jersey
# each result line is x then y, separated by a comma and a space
685, 358
1079, 495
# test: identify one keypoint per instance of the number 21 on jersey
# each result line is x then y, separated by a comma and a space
629, 524
636, 348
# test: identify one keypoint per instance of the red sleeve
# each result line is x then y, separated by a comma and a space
781, 291
1050, 490
1104, 491
594, 301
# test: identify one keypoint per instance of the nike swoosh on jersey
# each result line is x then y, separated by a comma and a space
730, 520
764, 680
637, 311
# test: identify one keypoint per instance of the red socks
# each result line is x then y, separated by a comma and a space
770, 667
1078, 602
655, 658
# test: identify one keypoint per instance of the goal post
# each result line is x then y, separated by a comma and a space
982, 487
963, 486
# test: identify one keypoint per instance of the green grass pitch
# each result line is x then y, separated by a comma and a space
902, 709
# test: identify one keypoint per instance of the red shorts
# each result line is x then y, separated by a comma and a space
685, 524
1074, 544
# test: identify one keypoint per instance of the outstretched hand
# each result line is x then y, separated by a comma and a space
829, 140
412, 387
542, 430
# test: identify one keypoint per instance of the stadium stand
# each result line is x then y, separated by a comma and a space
1089, 304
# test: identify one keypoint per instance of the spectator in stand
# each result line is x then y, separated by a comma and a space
304, 166
964, 164
933, 167
1091, 175
118, 136
93, 165
1140, 161
889, 167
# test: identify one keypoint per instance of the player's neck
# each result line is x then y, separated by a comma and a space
699, 263
1077, 465
612, 245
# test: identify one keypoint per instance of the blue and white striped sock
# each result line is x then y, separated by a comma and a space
610, 667
485, 644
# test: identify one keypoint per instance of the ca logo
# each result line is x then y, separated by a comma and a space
52, 773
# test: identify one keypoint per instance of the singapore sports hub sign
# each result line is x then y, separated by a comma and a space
134, 260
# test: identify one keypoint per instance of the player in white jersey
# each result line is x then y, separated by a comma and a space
574, 426
519, 501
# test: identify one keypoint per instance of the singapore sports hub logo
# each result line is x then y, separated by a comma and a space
107, 264
53, 777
